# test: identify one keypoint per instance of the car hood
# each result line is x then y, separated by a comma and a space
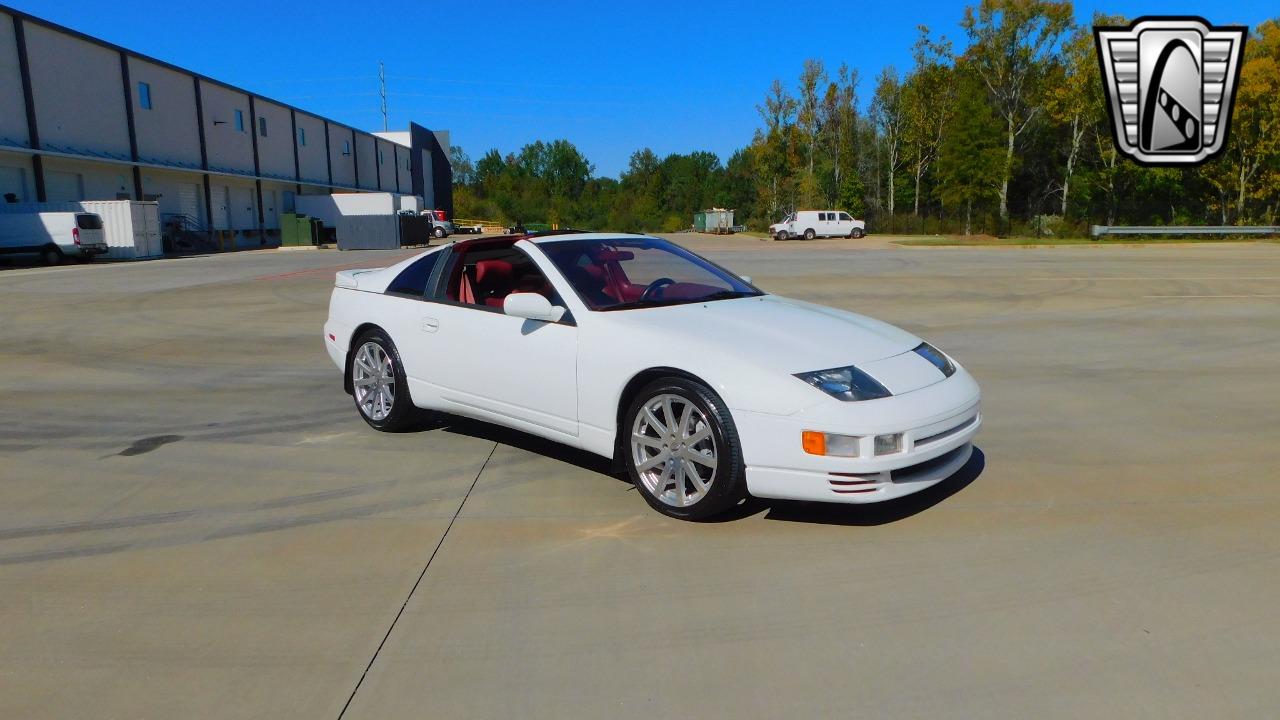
774, 332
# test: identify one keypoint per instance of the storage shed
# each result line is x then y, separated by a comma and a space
714, 220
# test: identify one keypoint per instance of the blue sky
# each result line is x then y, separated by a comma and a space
611, 77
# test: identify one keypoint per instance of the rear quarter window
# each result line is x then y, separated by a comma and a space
89, 222
412, 281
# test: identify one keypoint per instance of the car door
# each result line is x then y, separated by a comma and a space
487, 364
845, 224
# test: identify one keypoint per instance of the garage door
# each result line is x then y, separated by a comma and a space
270, 216
63, 186
245, 208
221, 208
189, 203
13, 180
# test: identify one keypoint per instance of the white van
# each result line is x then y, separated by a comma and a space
811, 224
53, 235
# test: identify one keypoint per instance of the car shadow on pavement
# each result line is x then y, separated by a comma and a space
524, 441
866, 515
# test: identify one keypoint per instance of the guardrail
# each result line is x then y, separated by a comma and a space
1098, 231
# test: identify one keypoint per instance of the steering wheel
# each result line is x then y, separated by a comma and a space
655, 287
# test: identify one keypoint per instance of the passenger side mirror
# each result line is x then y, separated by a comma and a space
746, 279
531, 306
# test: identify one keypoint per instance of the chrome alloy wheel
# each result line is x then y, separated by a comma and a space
673, 450
374, 380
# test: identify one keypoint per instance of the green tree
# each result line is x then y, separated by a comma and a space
1073, 102
888, 114
1012, 42
970, 160
928, 97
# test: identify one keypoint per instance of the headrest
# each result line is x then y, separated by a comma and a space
489, 271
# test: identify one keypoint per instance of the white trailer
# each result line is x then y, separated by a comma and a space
132, 227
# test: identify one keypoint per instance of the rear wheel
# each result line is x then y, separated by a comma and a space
378, 383
810, 234
51, 255
683, 451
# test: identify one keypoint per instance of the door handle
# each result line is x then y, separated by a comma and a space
430, 324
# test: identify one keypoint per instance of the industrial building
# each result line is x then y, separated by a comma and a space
83, 119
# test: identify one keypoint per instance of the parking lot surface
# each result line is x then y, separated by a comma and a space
196, 523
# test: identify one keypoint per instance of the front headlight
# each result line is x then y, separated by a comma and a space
935, 356
846, 383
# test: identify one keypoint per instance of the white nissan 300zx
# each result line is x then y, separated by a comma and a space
705, 387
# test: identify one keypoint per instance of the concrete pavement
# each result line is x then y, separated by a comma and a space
196, 523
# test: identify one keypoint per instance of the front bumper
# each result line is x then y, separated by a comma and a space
937, 423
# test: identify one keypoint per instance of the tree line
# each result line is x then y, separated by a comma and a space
1009, 135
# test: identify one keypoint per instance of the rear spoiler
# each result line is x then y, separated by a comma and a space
350, 279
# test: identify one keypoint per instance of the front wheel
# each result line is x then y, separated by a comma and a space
857, 233
439, 232
378, 383
782, 235
683, 453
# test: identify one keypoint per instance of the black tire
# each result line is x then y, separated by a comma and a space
727, 485
403, 414
439, 232
857, 233
51, 255
782, 235
810, 234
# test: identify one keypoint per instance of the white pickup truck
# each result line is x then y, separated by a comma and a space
52, 235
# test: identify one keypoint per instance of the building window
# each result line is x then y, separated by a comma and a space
346, 147
144, 95
302, 136
239, 121
262, 126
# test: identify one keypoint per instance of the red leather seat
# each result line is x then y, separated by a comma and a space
493, 282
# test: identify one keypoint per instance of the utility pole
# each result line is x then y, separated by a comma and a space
382, 83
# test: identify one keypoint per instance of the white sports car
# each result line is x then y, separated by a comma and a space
704, 387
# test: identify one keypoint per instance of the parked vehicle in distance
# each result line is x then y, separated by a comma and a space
810, 224
53, 235
440, 225
702, 386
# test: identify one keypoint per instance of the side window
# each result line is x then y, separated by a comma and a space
484, 278
412, 281
239, 121
144, 95
845, 216
822, 217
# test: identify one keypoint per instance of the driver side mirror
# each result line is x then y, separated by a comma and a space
531, 306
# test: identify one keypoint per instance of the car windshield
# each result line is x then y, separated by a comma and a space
631, 273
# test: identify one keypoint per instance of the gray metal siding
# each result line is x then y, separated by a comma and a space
86, 115
13, 119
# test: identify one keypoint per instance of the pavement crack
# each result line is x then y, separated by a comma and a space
416, 583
